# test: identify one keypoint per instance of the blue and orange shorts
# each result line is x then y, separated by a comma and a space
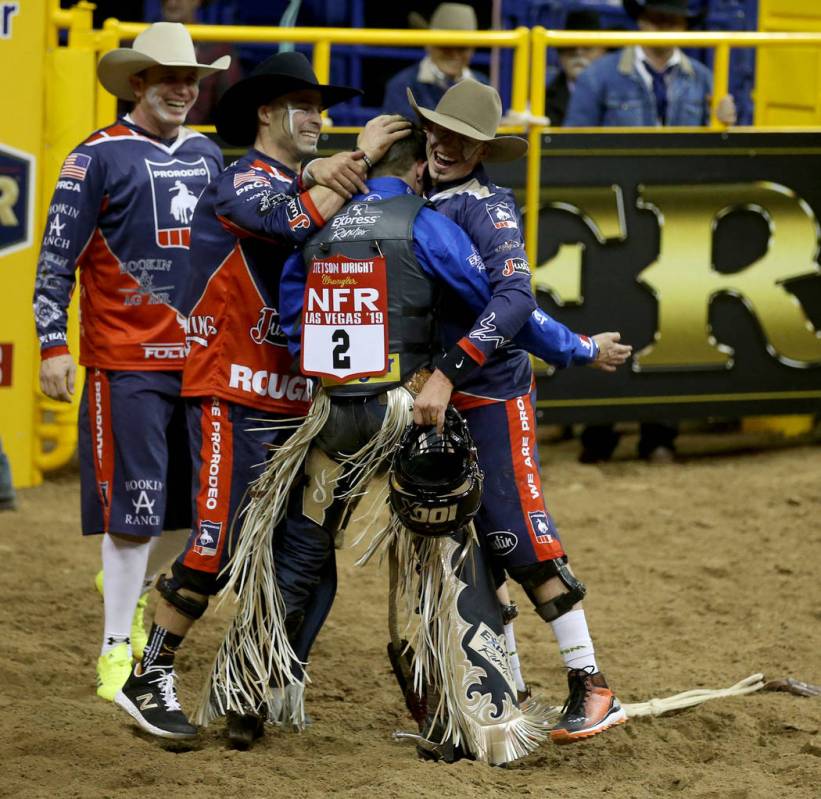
513, 520
229, 446
135, 470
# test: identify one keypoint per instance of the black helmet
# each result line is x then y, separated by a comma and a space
435, 480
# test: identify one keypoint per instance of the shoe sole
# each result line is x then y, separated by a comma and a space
129, 707
611, 720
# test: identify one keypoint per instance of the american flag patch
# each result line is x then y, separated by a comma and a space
251, 176
75, 166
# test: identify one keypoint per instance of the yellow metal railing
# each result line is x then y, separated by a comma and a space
323, 39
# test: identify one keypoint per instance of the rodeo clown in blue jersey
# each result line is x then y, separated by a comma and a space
490, 381
121, 215
361, 306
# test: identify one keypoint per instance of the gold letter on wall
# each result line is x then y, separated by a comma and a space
9, 192
684, 281
602, 211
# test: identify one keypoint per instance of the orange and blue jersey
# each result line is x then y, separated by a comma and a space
121, 212
249, 220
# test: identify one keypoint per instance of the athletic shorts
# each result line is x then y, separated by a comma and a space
228, 451
513, 520
135, 470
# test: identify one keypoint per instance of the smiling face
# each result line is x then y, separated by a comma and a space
450, 155
292, 124
164, 98
451, 60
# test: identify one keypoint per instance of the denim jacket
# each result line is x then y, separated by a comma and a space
611, 93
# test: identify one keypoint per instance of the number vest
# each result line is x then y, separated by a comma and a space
367, 319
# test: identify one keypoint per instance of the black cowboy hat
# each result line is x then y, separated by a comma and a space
678, 7
236, 112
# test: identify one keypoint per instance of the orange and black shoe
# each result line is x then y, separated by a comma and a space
591, 708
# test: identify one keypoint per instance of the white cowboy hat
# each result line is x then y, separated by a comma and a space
474, 110
166, 44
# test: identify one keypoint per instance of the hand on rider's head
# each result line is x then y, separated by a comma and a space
380, 133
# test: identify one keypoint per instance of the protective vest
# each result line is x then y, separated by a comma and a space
367, 321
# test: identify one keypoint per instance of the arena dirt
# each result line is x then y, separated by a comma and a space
700, 573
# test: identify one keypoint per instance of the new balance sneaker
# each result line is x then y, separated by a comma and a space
151, 700
591, 708
113, 669
139, 637
243, 729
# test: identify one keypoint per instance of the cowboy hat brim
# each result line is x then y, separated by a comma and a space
117, 66
500, 148
236, 113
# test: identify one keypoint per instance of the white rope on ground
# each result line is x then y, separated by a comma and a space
668, 704
657, 707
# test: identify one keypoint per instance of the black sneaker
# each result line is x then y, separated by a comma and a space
151, 700
591, 708
243, 729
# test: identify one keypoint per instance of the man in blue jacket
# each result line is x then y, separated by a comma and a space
490, 381
647, 86
440, 69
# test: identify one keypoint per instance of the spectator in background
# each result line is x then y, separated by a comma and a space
440, 69
572, 62
638, 86
185, 11
652, 86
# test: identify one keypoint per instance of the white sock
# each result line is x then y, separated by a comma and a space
162, 550
124, 563
575, 645
515, 666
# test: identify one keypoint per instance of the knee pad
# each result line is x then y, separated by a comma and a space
534, 575
187, 605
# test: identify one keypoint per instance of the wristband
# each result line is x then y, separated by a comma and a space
368, 162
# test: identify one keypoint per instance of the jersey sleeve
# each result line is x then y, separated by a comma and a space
78, 199
503, 303
450, 257
265, 208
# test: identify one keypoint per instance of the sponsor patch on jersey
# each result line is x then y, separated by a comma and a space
267, 329
297, 218
75, 167
176, 187
502, 542
208, 538
516, 265
540, 525
502, 216
163, 352
268, 200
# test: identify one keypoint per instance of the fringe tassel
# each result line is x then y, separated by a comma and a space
431, 593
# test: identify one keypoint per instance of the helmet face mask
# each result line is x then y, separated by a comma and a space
435, 481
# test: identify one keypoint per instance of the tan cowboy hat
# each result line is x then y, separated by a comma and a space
166, 44
474, 110
446, 17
